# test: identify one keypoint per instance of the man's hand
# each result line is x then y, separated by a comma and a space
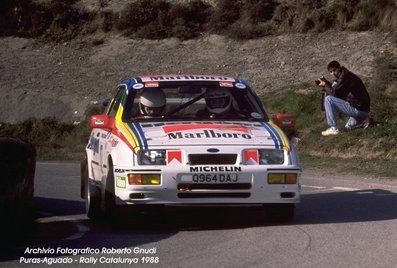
322, 83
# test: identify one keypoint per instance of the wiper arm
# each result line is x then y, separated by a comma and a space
184, 105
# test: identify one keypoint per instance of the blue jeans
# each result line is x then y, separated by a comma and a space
333, 105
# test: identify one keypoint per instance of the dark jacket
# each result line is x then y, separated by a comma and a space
350, 87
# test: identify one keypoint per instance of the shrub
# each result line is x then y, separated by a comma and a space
243, 19
66, 21
160, 19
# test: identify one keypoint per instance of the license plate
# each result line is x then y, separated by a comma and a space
211, 178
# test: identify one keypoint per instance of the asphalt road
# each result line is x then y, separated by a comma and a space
341, 222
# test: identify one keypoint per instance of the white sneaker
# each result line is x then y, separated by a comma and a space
330, 131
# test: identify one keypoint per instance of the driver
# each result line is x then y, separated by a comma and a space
219, 104
152, 102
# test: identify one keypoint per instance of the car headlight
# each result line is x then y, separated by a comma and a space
144, 179
271, 156
152, 157
282, 178
263, 157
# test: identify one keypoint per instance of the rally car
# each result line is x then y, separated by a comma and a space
190, 140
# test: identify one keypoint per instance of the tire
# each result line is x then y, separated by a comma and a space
92, 197
108, 200
280, 212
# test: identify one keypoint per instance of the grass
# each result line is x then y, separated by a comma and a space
377, 167
369, 152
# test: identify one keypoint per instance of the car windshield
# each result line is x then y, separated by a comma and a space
192, 102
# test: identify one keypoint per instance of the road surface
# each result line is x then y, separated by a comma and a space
341, 222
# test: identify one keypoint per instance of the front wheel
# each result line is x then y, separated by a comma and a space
92, 197
108, 200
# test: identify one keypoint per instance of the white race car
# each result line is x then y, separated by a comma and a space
189, 140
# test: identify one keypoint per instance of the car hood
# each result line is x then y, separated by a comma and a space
149, 135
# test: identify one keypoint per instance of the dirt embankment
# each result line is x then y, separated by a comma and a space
40, 80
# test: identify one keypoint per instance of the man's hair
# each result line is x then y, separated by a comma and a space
333, 65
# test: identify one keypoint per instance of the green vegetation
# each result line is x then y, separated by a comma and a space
365, 151
53, 140
59, 20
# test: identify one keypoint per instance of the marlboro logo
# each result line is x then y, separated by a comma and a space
209, 134
209, 131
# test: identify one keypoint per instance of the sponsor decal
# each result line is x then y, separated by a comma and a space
240, 85
121, 182
138, 86
94, 145
114, 142
208, 134
186, 78
105, 135
209, 131
250, 157
225, 84
152, 84
174, 155
215, 169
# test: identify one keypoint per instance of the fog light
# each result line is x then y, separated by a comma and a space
144, 179
287, 195
137, 196
282, 178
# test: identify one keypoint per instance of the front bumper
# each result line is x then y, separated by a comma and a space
175, 189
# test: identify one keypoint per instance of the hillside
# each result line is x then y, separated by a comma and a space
61, 80
65, 67
58, 57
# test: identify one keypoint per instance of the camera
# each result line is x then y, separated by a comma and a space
322, 78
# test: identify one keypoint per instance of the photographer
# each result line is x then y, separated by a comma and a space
347, 95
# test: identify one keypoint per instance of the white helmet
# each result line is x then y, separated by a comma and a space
152, 102
218, 100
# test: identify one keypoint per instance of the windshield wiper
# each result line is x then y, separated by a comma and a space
184, 105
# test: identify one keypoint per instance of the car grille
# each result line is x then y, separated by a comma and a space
214, 195
212, 159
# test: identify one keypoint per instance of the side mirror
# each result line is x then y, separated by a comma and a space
101, 121
106, 102
284, 121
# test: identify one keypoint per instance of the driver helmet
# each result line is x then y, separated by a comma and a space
152, 102
218, 100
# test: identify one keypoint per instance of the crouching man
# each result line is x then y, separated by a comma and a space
346, 95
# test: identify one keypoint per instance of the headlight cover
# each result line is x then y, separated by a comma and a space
152, 157
271, 156
263, 157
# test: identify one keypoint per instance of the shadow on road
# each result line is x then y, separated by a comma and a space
134, 229
347, 206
